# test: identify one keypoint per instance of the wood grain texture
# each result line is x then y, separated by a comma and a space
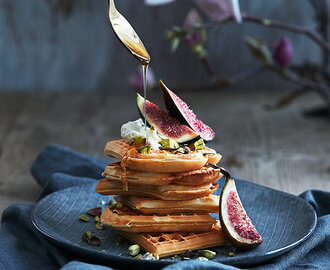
279, 149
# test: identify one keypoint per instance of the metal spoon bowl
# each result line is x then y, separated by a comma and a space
127, 35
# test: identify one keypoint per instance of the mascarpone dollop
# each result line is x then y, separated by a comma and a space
137, 128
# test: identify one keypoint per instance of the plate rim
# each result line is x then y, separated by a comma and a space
247, 261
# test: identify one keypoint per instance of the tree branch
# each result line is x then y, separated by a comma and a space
207, 66
322, 89
289, 27
274, 24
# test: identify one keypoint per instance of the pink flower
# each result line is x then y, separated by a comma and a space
192, 20
136, 80
157, 2
218, 10
282, 52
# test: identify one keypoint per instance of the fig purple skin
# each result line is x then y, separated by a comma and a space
235, 223
165, 125
177, 108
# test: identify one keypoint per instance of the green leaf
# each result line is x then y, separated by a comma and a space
259, 50
175, 42
199, 50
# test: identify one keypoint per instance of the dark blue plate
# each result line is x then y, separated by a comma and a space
283, 220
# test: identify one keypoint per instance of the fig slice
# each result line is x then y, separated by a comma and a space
235, 222
165, 125
180, 110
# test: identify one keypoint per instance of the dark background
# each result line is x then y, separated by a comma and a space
68, 44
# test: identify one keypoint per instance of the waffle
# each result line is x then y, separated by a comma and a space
207, 204
126, 219
205, 175
168, 244
117, 149
213, 156
161, 161
169, 192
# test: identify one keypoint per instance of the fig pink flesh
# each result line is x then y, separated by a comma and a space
168, 125
239, 219
197, 125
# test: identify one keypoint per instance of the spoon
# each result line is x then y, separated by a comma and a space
127, 35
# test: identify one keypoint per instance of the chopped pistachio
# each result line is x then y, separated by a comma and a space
96, 218
188, 253
139, 140
231, 254
199, 145
116, 205
145, 149
149, 257
138, 256
99, 226
119, 240
86, 236
208, 253
94, 241
182, 150
119, 205
134, 249
168, 144
202, 259
84, 218
111, 202
113, 206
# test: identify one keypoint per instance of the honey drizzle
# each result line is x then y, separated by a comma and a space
145, 69
129, 38
124, 179
123, 165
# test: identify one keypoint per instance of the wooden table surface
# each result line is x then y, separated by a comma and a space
279, 149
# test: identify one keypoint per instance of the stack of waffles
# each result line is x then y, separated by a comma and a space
163, 198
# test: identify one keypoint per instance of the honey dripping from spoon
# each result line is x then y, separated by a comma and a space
131, 41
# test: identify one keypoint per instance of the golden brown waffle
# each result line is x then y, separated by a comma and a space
213, 156
125, 219
205, 175
168, 244
117, 149
206, 204
162, 161
169, 192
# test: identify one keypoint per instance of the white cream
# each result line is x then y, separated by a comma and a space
137, 128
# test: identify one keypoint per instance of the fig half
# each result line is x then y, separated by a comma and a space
235, 222
164, 124
180, 110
